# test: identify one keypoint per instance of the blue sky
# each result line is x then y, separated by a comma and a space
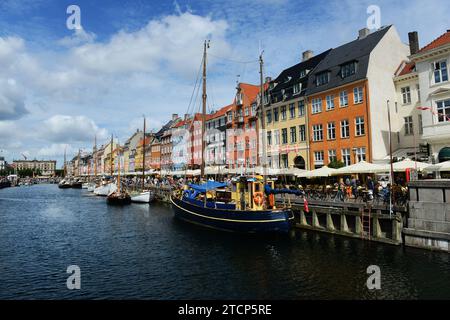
59, 88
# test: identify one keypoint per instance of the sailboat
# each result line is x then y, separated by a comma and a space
120, 196
106, 187
146, 196
64, 183
248, 205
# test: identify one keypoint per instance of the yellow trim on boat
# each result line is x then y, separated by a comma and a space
233, 220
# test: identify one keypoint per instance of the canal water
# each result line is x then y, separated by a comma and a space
142, 252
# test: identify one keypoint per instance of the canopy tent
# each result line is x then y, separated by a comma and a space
209, 185
443, 166
407, 164
321, 172
216, 170
361, 167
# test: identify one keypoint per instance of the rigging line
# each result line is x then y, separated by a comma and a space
195, 85
232, 60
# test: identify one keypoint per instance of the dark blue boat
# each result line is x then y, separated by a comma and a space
227, 216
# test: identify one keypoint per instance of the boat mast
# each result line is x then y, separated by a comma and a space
202, 166
111, 158
65, 167
118, 168
262, 113
79, 160
143, 159
95, 156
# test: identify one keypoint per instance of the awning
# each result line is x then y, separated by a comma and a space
321, 172
443, 166
407, 164
209, 185
361, 167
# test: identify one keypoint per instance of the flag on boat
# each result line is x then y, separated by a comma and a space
305, 205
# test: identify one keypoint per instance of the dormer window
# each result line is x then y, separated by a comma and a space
287, 79
322, 78
297, 88
348, 69
302, 73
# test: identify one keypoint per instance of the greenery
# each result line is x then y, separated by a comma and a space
336, 164
28, 172
59, 172
6, 172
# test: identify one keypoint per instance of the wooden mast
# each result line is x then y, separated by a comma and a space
111, 157
262, 113
95, 156
118, 168
143, 160
202, 166
65, 165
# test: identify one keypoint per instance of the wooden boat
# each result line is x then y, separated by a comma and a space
120, 196
143, 197
64, 184
248, 205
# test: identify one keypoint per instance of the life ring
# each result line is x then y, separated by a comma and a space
258, 198
271, 200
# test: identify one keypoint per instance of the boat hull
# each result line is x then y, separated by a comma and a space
267, 221
144, 197
118, 200
64, 186
105, 190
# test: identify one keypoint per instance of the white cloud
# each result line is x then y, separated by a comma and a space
80, 36
63, 128
12, 104
56, 150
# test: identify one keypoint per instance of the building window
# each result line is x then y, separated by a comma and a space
302, 132
345, 129
348, 69
360, 154
297, 88
283, 112
292, 110
275, 115
406, 95
332, 155
409, 126
316, 105
317, 132
357, 95
346, 157
420, 124
301, 108
269, 138
359, 126
318, 158
293, 134
440, 71
284, 136
230, 117
418, 92
343, 99
284, 161
330, 102
269, 116
331, 131
322, 78
247, 111
276, 137
443, 109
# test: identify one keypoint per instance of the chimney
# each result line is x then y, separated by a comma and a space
413, 42
268, 79
363, 33
306, 55
174, 116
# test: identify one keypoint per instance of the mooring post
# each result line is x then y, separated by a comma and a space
397, 224
330, 224
344, 225
376, 227
303, 221
315, 219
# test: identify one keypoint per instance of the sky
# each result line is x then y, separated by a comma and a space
61, 87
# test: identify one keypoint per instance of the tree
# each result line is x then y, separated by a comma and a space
336, 164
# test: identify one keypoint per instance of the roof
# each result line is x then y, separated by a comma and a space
249, 93
291, 76
219, 113
405, 68
438, 42
357, 50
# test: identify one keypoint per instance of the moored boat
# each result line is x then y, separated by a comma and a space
105, 189
143, 197
64, 184
245, 208
118, 198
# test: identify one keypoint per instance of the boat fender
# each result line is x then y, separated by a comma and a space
258, 198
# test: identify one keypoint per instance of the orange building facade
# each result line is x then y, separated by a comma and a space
339, 125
